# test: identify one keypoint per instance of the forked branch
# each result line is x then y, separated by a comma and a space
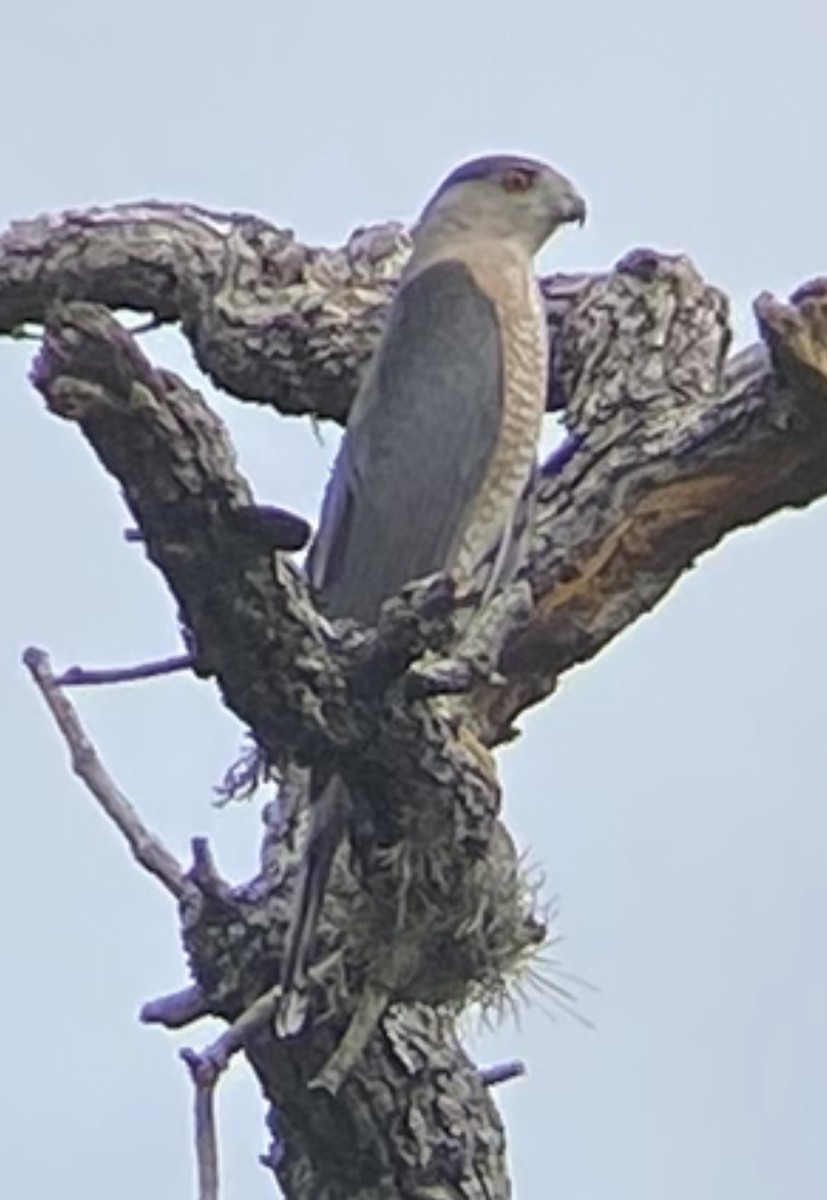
146, 848
670, 444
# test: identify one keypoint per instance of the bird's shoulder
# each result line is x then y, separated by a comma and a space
498, 267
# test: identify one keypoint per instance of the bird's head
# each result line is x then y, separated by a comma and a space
505, 196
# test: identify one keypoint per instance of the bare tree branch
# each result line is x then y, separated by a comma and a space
273, 528
269, 320
205, 874
176, 1010
670, 445
204, 1077
503, 1073
205, 1068
145, 846
688, 444
89, 676
219, 1052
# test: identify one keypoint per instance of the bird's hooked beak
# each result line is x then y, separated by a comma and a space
570, 208
560, 200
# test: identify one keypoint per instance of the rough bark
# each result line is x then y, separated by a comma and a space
670, 445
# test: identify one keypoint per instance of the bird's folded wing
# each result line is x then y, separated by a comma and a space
421, 435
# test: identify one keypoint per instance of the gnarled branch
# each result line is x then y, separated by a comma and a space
670, 445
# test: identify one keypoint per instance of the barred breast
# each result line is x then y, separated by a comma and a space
507, 277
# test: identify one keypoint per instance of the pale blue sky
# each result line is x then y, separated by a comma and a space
674, 790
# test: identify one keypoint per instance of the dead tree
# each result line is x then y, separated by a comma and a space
671, 443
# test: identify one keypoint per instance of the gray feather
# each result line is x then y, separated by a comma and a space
328, 805
421, 436
508, 556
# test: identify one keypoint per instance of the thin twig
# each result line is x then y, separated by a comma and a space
217, 1055
205, 874
204, 1075
234, 1036
177, 1009
145, 846
83, 676
205, 1068
502, 1072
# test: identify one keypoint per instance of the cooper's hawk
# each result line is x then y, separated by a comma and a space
439, 453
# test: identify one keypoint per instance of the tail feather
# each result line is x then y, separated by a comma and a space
328, 800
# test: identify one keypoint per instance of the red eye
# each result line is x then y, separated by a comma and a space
517, 179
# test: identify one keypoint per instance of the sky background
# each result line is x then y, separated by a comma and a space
673, 791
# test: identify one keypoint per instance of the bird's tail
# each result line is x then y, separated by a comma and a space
328, 804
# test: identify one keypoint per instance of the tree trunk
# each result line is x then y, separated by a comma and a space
669, 445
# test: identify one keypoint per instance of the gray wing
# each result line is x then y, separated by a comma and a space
420, 438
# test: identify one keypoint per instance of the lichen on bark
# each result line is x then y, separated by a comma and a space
670, 444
